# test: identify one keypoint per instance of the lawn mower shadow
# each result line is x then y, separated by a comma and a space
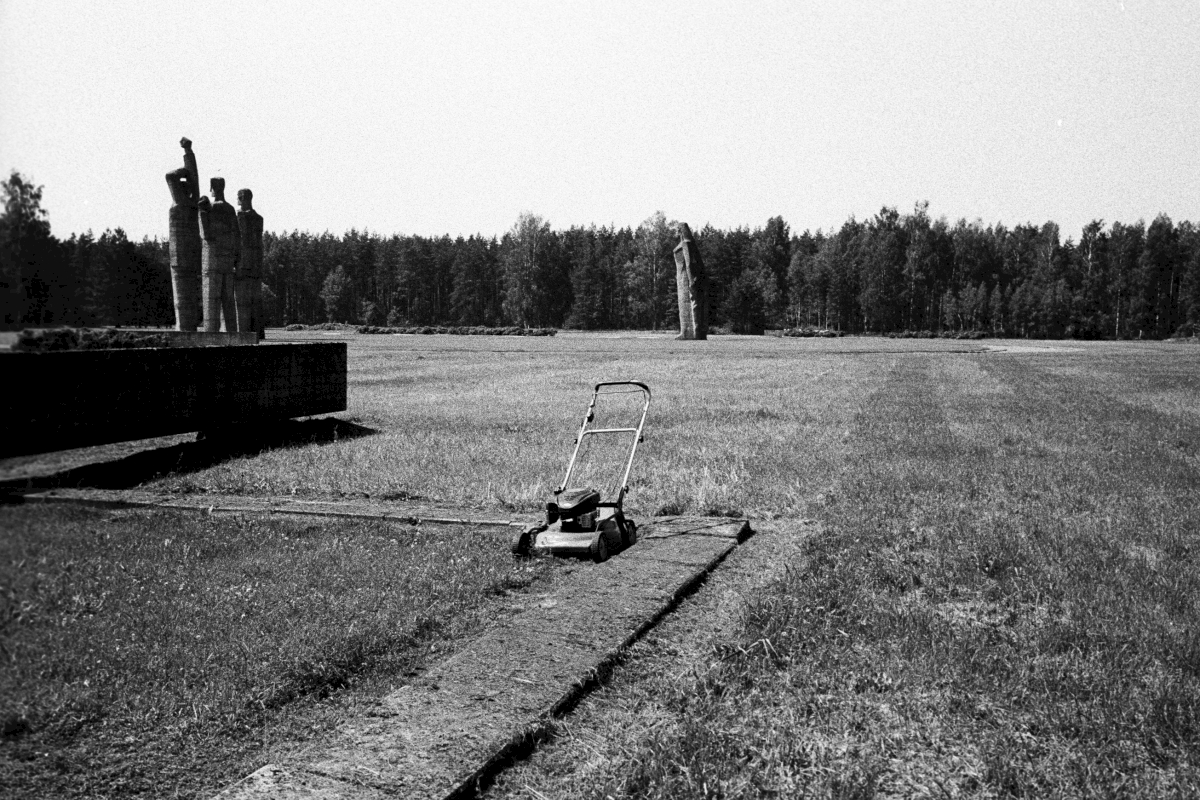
209, 449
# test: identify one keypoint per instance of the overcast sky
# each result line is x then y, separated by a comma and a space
454, 118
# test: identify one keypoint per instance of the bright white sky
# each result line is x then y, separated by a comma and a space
446, 117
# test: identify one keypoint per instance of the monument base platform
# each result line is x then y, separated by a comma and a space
205, 339
80, 398
162, 337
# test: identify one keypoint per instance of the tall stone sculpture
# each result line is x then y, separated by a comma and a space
247, 286
219, 232
692, 283
185, 239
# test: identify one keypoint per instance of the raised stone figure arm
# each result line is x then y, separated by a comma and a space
185, 242
189, 164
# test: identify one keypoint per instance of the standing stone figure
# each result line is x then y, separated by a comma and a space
247, 286
219, 231
692, 283
185, 239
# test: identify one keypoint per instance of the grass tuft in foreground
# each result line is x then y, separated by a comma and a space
152, 654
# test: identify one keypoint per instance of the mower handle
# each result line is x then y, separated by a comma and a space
623, 487
638, 384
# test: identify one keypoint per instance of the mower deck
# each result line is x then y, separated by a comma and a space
598, 535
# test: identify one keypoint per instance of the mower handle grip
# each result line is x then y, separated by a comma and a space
638, 384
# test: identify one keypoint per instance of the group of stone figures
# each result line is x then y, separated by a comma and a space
216, 260
692, 282
216, 254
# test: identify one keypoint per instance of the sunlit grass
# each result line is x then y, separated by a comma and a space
151, 653
1004, 602
737, 423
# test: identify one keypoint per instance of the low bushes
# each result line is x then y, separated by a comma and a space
1187, 330
45, 340
321, 326
808, 333
459, 330
973, 334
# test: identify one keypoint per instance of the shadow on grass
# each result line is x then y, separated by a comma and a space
209, 449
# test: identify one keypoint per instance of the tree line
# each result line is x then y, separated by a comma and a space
891, 273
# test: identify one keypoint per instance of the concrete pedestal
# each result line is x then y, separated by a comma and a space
61, 400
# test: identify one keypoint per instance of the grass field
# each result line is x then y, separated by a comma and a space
738, 424
1003, 600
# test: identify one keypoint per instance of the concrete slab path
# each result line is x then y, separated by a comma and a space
365, 508
464, 719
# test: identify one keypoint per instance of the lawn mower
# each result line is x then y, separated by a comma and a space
579, 522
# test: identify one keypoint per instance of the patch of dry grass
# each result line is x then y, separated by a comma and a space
738, 424
154, 654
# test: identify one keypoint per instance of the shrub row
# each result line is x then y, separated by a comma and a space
457, 330
460, 330
937, 334
45, 340
1188, 330
322, 326
823, 333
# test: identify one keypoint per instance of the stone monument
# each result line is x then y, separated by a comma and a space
692, 284
219, 232
247, 286
185, 244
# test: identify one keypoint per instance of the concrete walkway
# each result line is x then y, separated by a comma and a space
466, 718
366, 509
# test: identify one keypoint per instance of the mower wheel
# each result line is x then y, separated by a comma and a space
522, 542
629, 533
599, 549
